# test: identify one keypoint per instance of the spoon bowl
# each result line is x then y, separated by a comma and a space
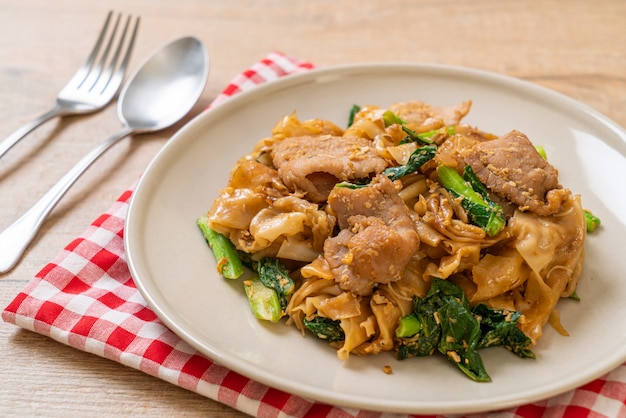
163, 90
165, 87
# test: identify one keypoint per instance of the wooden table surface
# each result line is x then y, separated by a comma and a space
576, 47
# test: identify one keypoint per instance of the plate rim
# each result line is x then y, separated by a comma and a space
318, 76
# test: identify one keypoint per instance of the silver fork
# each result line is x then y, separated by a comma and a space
93, 85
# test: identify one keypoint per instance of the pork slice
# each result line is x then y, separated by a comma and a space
314, 164
377, 237
511, 168
422, 116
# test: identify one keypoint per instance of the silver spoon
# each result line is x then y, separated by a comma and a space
158, 95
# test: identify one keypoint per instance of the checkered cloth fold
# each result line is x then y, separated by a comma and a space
86, 298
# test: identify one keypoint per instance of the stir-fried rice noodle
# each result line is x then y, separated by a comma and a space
362, 254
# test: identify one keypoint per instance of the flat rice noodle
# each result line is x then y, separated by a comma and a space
553, 247
343, 306
268, 225
235, 209
387, 317
462, 257
497, 274
357, 330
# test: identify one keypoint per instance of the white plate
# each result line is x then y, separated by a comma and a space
175, 270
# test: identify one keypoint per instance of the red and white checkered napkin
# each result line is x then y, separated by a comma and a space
86, 298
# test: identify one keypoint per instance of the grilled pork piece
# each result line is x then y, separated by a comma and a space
314, 165
511, 168
377, 237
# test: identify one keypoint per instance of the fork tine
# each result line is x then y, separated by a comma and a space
108, 72
96, 70
131, 44
108, 75
81, 75
114, 80
72, 99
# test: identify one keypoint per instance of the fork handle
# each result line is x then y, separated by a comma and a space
15, 239
16, 136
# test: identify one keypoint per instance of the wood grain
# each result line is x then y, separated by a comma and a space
575, 47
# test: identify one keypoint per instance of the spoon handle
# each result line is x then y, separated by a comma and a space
15, 239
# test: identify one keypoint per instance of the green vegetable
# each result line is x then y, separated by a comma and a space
426, 340
268, 292
480, 209
470, 177
325, 328
443, 321
273, 274
263, 301
412, 136
460, 330
353, 111
391, 118
499, 328
541, 152
228, 262
417, 159
591, 221
348, 185
424, 137
247, 260
409, 326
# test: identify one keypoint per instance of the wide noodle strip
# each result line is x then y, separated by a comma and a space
367, 219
